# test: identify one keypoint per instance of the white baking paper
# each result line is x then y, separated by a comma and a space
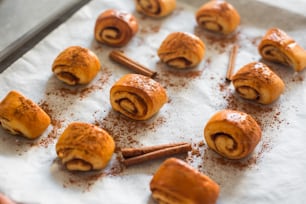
275, 173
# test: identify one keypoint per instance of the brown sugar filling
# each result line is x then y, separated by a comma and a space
67, 76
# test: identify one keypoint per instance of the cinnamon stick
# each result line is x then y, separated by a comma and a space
122, 59
157, 154
231, 64
132, 152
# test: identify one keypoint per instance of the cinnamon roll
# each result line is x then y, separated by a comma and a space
21, 116
115, 28
137, 97
155, 8
84, 147
232, 134
277, 46
76, 65
218, 16
257, 82
181, 50
175, 182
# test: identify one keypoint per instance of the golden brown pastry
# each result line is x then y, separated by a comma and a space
175, 182
137, 97
6, 200
84, 147
232, 134
257, 82
218, 16
277, 46
115, 28
21, 116
155, 8
181, 50
76, 65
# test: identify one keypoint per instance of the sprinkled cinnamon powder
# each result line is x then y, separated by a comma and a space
207, 161
255, 41
201, 144
16, 144
84, 181
220, 42
266, 116
56, 125
150, 29
53, 134
126, 132
178, 10
196, 154
143, 17
242, 164
45, 106
174, 78
81, 180
297, 78
82, 91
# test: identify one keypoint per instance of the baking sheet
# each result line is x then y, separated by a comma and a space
14, 28
38, 19
274, 173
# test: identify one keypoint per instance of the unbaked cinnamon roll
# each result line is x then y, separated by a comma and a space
175, 182
137, 97
155, 8
181, 50
115, 28
277, 46
218, 16
76, 65
84, 147
257, 82
21, 116
232, 134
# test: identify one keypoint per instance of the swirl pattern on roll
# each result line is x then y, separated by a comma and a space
21, 116
155, 8
218, 16
76, 65
175, 182
181, 50
115, 28
137, 97
84, 147
232, 134
277, 46
257, 82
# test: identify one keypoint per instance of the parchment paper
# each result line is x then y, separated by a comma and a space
275, 173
